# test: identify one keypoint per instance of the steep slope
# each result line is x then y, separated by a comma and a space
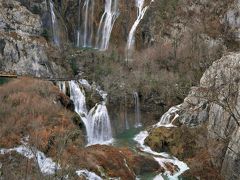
210, 120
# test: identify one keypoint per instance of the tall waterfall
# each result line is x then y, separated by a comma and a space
85, 34
79, 24
97, 121
108, 19
88, 9
137, 110
131, 37
54, 24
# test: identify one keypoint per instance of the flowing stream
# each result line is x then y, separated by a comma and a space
134, 139
99, 131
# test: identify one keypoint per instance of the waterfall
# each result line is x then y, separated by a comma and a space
62, 86
79, 24
126, 114
88, 9
85, 34
97, 121
54, 24
131, 37
137, 110
107, 21
169, 117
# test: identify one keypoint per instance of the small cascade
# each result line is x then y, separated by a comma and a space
161, 158
131, 37
62, 86
126, 114
78, 98
88, 175
99, 123
137, 110
96, 121
169, 117
54, 24
107, 21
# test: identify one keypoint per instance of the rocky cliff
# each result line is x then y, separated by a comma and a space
23, 48
208, 119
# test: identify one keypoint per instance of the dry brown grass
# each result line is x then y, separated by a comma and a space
30, 108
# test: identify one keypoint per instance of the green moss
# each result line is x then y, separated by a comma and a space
74, 66
4, 80
46, 34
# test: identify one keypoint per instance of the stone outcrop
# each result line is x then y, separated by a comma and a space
109, 161
22, 48
216, 105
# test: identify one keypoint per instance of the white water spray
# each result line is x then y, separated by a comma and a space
97, 121
161, 158
108, 19
169, 117
137, 110
79, 24
88, 9
131, 37
54, 24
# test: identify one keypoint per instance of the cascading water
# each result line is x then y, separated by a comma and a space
137, 110
78, 98
79, 24
108, 19
54, 24
126, 114
62, 86
85, 35
168, 117
163, 158
97, 121
88, 22
131, 37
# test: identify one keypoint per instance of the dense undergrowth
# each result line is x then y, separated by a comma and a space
32, 109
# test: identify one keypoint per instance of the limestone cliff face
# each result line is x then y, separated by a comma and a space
22, 48
207, 28
217, 102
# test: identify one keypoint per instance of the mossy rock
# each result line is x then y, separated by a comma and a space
76, 119
180, 141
